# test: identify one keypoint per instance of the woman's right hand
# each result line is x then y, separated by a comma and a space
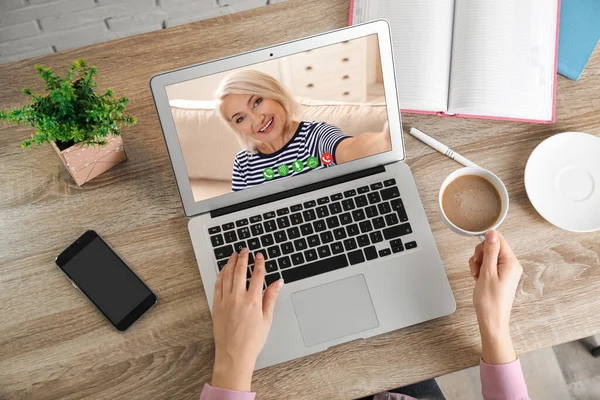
497, 272
241, 319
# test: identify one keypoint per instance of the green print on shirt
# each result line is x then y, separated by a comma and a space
312, 162
298, 166
283, 170
269, 174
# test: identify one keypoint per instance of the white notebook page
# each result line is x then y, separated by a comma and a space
422, 40
503, 58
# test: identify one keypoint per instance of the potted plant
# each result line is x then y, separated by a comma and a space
82, 125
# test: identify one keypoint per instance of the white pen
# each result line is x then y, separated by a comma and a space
442, 148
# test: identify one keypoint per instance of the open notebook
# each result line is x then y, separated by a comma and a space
477, 58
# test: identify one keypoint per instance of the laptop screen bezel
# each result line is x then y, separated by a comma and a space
159, 82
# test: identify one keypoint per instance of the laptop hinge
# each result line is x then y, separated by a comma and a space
296, 191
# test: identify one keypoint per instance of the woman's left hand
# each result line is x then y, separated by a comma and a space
385, 140
242, 319
386, 129
364, 145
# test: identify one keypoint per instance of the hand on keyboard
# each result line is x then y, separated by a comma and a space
242, 318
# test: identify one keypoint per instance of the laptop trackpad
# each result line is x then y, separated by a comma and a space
334, 310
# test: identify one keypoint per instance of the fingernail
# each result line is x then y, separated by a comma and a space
279, 284
492, 236
232, 254
259, 255
244, 251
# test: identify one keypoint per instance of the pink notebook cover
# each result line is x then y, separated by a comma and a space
443, 114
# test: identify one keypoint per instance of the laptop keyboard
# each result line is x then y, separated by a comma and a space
320, 235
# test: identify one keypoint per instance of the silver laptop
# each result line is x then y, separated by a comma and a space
323, 192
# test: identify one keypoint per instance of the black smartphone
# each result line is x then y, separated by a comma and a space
102, 276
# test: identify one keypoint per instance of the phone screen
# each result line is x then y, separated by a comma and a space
107, 281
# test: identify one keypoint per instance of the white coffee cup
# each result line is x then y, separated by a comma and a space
494, 180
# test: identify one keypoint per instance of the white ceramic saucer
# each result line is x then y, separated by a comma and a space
562, 180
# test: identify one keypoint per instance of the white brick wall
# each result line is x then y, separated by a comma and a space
62, 22
7, 5
19, 31
30, 28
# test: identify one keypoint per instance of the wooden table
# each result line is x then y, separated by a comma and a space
53, 344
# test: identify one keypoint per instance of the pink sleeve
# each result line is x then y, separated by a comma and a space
214, 393
503, 382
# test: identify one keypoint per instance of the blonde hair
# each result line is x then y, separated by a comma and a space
259, 84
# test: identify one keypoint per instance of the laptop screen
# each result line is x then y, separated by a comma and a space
281, 118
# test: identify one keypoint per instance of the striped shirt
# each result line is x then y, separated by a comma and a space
310, 139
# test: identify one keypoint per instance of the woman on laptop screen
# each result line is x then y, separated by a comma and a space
260, 111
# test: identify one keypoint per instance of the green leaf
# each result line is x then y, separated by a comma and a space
70, 110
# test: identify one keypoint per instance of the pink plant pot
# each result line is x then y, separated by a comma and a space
84, 163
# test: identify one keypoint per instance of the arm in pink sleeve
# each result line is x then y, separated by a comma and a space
214, 393
503, 382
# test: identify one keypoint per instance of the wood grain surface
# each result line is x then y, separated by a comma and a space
54, 344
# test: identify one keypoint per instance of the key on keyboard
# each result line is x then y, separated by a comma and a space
315, 268
319, 235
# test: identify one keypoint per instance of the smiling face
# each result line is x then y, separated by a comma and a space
261, 118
